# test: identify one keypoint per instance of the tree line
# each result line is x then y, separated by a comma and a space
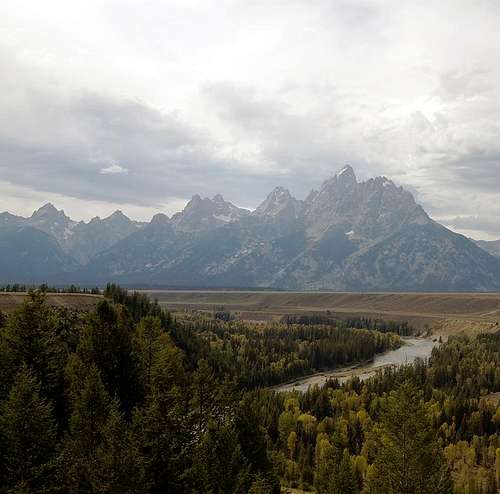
23, 288
402, 328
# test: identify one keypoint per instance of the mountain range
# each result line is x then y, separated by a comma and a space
347, 235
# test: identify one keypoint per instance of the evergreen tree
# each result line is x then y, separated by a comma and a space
409, 460
325, 464
107, 343
253, 441
162, 426
30, 337
90, 413
344, 479
78, 461
204, 395
27, 437
219, 466
148, 342
120, 466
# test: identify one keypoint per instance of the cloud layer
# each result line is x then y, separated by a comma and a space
110, 105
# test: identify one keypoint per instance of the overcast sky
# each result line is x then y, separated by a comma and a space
138, 105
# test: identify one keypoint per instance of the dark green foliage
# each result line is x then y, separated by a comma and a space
344, 481
99, 454
260, 356
252, 437
138, 304
149, 339
408, 457
445, 416
399, 327
121, 468
31, 337
108, 403
27, 437
162, 425
78, 460
16, 287
106, 341
219, 464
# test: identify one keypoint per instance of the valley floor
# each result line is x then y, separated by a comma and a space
10, 301
443, 313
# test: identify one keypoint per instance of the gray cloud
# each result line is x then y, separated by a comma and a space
299, 148
81, 145
237, 97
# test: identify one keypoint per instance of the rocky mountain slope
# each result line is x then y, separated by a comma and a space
29, 255
490, 246
79, 240
347, 235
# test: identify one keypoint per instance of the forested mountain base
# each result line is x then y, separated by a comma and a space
125, 399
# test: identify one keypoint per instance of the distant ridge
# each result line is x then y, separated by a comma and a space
347, 235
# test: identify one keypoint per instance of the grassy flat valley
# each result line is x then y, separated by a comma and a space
445, 313
10, 301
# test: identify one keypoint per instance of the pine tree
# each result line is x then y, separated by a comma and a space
30, 337
325, 464
204, 392
162, 425
27, 436
148, 343
218, 463
409, 460
253, 441
90, 412
107, 343
78, 462
120, 466
344, 480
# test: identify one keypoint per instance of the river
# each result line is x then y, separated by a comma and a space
412, 349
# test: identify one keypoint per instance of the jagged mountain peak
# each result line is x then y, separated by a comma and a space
346, 174
160, 219
118, 217
279, 203
345, 179
195, 202
8, 219
50, 219
203, 213
117, 214
221, 204
370, 209
48, 210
